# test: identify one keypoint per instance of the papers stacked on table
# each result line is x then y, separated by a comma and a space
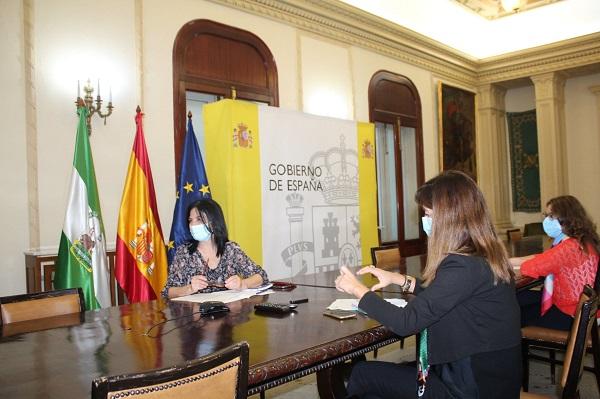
226, 296
352, 304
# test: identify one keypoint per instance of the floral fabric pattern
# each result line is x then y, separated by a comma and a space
233, 262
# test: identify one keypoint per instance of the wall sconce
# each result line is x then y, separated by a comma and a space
510, 5
88, 102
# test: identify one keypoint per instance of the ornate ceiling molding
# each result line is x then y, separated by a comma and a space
560, 56
346, 24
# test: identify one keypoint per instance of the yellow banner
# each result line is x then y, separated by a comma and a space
233, 160
367, 193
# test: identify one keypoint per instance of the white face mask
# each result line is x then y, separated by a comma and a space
200, 232
427, 224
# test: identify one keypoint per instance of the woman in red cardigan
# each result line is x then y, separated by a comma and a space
572, 260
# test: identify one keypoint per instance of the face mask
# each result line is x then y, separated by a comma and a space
427, 222
200, 232
552, 227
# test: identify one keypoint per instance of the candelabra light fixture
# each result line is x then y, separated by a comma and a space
88, 102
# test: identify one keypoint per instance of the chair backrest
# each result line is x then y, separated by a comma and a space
514, 234
585, 319
388, 255
17, 308
533, 229
220, 375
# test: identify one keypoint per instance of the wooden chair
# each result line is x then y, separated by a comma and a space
514, 235
387, 255
19, 308
533, 229
553, 340
220, 375
582, 333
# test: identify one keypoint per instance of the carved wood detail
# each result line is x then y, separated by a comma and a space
291, 367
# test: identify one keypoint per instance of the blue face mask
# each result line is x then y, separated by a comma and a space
552, 227
427, 223
200, 232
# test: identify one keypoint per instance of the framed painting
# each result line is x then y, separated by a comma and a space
456, 124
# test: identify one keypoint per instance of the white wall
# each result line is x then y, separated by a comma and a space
14, 231
74, 40
583, 142
68, 48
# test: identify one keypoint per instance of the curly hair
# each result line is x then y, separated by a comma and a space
574, 221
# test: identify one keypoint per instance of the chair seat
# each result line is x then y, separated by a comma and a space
527, 395
545, 335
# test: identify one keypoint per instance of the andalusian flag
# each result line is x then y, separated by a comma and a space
141, 259
298, 191
82, 258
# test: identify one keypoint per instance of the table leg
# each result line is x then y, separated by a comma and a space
330, 382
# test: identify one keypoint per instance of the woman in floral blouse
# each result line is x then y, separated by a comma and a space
210, 262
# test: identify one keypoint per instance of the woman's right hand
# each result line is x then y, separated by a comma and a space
517, 262
385, 278
198, 283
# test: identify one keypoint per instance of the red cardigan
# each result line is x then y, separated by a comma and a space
572, 269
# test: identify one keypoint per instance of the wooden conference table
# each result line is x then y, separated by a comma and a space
63, 361
59, 357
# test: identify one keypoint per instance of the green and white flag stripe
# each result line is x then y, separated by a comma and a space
82, 258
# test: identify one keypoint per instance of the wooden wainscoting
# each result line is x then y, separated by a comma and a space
40, 274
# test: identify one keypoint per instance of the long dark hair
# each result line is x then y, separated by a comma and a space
461, 224
212, 216
575, 221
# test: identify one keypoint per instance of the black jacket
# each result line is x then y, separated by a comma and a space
464, 311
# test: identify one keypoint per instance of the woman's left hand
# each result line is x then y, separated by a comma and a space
235, 283
347, 282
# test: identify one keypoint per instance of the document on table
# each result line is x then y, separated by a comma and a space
352, 304
226, 296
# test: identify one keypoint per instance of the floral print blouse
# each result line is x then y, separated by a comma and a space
233, 262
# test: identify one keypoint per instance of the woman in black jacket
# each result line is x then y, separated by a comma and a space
465, 310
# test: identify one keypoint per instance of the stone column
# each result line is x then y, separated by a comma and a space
492, 152
596, 90
550, 114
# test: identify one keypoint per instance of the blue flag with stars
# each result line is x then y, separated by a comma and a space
193, 186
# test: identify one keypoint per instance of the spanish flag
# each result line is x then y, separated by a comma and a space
141, 260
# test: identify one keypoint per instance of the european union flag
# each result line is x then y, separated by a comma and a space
193, 186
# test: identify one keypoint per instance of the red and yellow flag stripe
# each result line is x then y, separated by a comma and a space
141, 260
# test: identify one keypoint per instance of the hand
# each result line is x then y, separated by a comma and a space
347, 282
235, 283
198, 283
517, 262
385, 278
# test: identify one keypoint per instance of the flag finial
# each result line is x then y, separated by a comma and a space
138, 109
189, 114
